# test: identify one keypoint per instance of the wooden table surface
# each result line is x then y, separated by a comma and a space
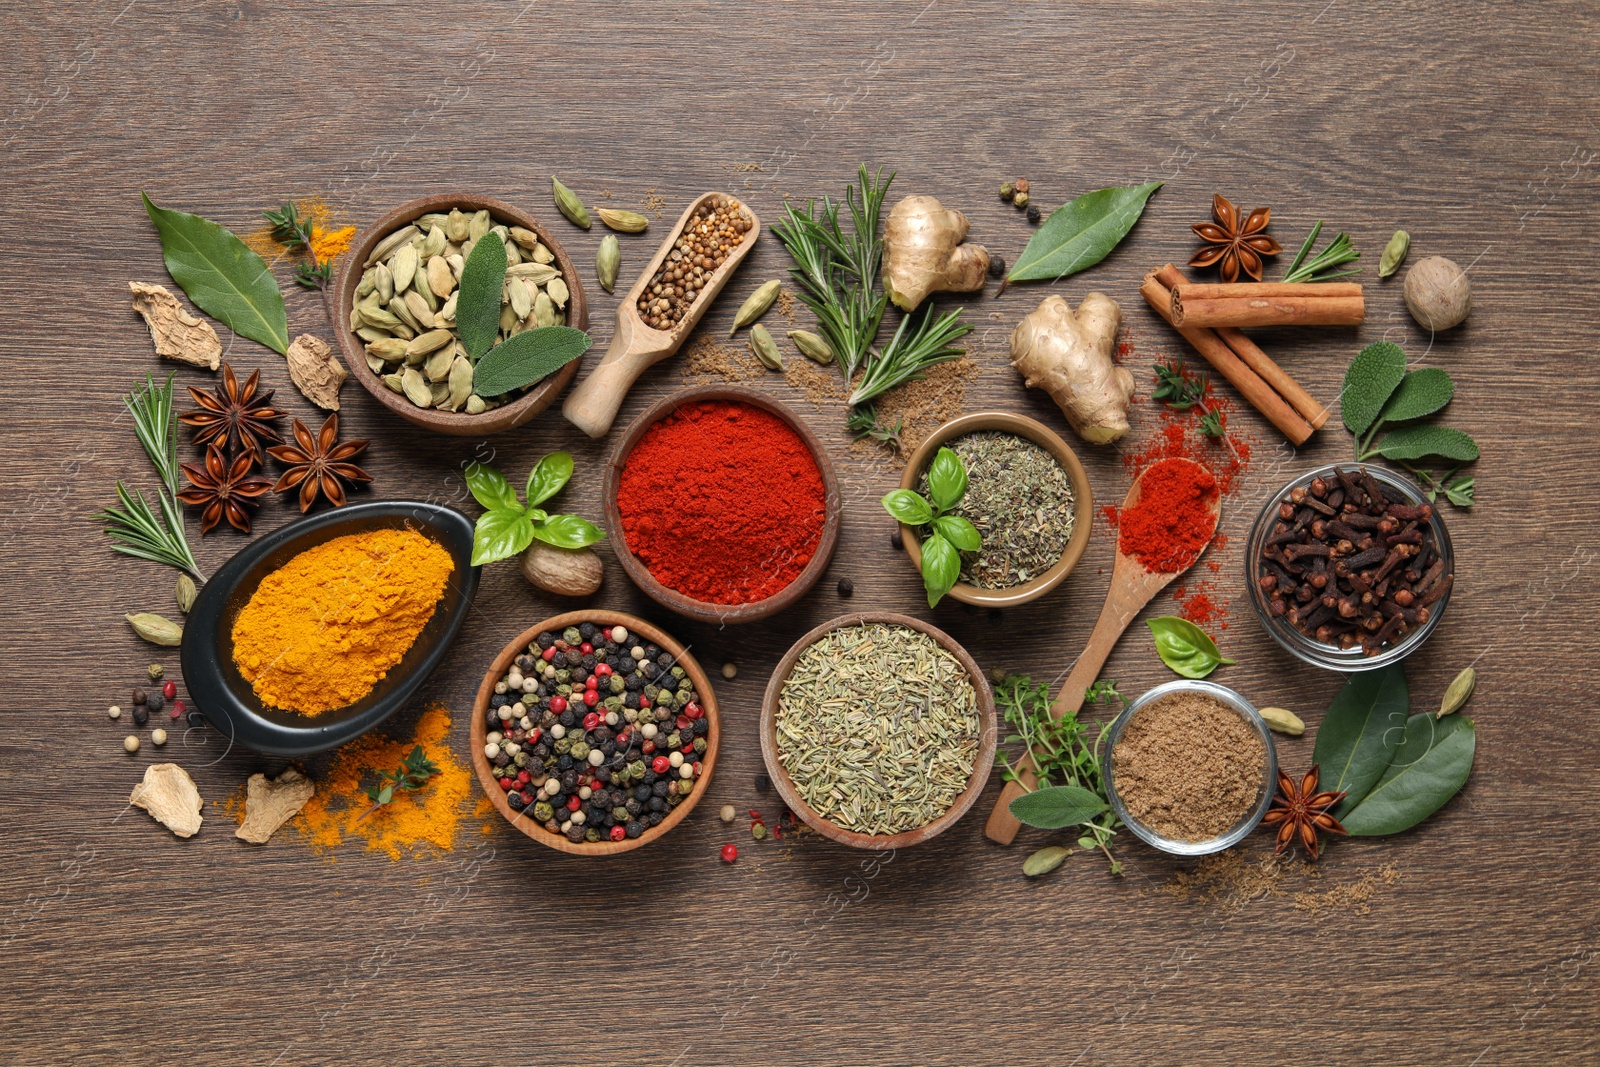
1471, 126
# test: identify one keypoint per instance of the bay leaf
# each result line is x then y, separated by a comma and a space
1082, 233
222, 276
478, 296
527, 357
1431, 764
1358, 735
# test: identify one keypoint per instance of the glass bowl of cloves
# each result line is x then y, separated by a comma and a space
1350, 567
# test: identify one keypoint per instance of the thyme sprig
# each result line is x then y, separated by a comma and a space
864, 423
1178, 387
1338, 251
135, 528
294, 233
413, 773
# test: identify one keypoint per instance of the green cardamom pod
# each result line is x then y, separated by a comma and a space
623, 221
186, 593
1459, 692
155, 629
1283, 721
765, 348
755, 305
812, 346
568, 204
1394, 253
606, 262
1045, 860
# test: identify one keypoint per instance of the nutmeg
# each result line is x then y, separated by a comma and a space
1438, 294
563, 571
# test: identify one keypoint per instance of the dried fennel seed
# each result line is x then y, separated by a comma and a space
1021, 501
878, 727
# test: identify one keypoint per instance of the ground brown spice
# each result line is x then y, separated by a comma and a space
821, 385
706, 357
923, 406
1230, 880
1188, 766
1352, 897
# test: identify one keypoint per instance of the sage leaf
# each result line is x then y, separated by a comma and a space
483, 275
1431, 764
1045, 860
1360, 732
568, 531
1080, 234
548, 476
1394, 253
1056, 806
527, 357
947, 480
222, 276
959, 532
1420, 393
1185, 647
499, 534
941, 568
909, 507
1418, 442
490, 488
1372, 377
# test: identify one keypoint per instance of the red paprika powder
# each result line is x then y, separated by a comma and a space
722, 501
1173, 520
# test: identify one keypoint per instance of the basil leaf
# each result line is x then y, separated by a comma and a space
527, 357
222, 276
959, 532
1082, 233
490, 488
1429, 767
1360, 732
1421, 392
500, 533
568, 531
908, 507
478, 297
1185, 647
548, 476
947, 480
941, 568
1056, 806
1417, 442
1372, 377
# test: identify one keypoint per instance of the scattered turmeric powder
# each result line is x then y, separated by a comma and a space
328, 239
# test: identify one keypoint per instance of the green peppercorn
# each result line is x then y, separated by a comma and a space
699, 745
1020, 200
543, 812
1007, 191
155, 672
579, 750
636, 769
674, 740
572, 636
620, 813
563, 746
758, 830
619, 684
677, 672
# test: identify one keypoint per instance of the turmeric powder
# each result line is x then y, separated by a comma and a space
323, 629
328, 241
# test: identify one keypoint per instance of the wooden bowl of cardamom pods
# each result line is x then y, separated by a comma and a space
414, 386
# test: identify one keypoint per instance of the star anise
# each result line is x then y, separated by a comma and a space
1299, 811
319, 463
1234, 244
223, 489
237, 419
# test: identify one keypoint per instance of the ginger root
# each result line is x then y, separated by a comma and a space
1067, 353
923, 253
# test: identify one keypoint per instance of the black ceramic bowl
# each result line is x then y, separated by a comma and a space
227, 700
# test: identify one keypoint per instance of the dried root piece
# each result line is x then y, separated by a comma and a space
177, 334
1067, 353
316, 371
270, 804
170, 796
923, 253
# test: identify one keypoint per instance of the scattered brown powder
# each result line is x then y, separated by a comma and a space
1353, 897
652, 202
706, 357
1231, 880
923, 406
1188, 766
821, 385
785, 306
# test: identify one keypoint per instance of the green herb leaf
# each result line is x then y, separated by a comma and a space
499, 534
1082, 233
947, 480
527, 357
548, 476
1416, 442
1045, 860
1420, 393
490, 488
1360, 732
959, 532
1057, 806
478, 297
909, 507
1459, 492
1374, 375
567, 531
385, 794
222, 276
941, 568
1429, 767
1185, 647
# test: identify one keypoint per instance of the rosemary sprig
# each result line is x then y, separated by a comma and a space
1177, 387
413, 773
151, 408
1338, 251
864, 423
908, 355
136, 531
294, 233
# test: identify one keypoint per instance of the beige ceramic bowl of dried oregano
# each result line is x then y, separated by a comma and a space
541, 248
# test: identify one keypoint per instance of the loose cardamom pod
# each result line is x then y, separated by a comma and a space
460, 381
533, 273
456, 225
186, 593
1045, 860
1394, 253
812, 346
544, 312
755, 305
440, 279
395, 382
1459, 692
398, 308
420, 311
432, 245
156, 630
541, 254
402, 267
606, 263
623, 221
521, 299
765, 348
416, 388
369, 282
568, 204
437, 368
383, 283
1283, 721
479, 225
386, 247
558, 292
476, 405
524, 237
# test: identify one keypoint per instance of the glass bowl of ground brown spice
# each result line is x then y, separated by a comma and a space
1190, 767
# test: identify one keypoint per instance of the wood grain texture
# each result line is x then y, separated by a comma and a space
1471, 126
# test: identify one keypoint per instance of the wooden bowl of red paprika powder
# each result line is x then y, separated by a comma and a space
722, 505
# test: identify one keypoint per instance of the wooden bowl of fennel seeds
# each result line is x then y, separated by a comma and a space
905, 703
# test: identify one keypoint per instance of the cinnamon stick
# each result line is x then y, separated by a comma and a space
1250, 384
1268, 304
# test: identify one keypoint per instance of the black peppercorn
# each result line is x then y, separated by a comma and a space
588, 661
659, 789
635, 828
641, 792
568, 718
997, 266
1033, 212
576, 833
763, 784
140, 715
154, 702
515, 800
894, 539
664, 660
545, 640
499, 700
138, 696
847, 587
587, 630
525, 663
657, 804
501, 759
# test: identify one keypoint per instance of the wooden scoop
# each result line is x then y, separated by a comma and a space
1133, 586
592, 406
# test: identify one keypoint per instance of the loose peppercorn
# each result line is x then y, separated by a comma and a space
155, 672
140, 715
153, 702
1033, 214
847, 588
763, 784
1020, 200
138, 695
169, 689
997, 267
894, 540
730, 853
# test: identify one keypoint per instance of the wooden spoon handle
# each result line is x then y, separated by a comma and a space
592, 407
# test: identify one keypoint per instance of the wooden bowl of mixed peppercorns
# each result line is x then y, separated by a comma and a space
604, 733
